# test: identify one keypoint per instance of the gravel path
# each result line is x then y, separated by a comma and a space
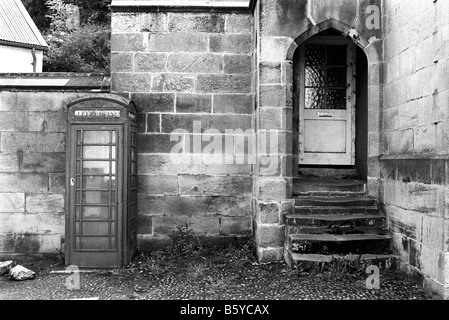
198, 280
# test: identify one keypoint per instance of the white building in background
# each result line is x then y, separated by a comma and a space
21, 43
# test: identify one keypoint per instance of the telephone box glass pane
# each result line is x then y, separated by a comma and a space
95, 152
96, 197
96, 167
96, 228
96, 137
96, 213
96, 182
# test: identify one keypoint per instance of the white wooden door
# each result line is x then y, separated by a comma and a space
327, 100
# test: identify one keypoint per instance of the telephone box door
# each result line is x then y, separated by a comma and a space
95, 202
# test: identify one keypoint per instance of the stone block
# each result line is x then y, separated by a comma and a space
150, 62
171, 122
433, 232
145, 224
154, 22
425, 139
269, 166
270, 236
23, 182
34, 142
270, 119
194, 22
214, 186
268, 213
127, 42
51, 243
237, 64
207, 206
147, 243
224, 83
239, 23
284, 18
36, 101
125, 22
153, 123
155, 143
141, 123
57, 183
233, 103
268, 255
12, 202
43, 162
13, 121
400, 142
48, 121
45, 203
37, 224
431, 262
274, 48
232, 169
158, 185
195, 63
201, 226
193, 103
9, 162
271, 189
150, 205
121, 62
270, 72
131, 82
231, 43
235, 225
162, 164
177, 42
7, 242
167, 82
27, 243
154, 102
273, 96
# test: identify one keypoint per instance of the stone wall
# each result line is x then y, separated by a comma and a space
415, 139
33, 162
190, 72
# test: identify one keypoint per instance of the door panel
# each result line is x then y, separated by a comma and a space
95, 210
325, 136
326, 112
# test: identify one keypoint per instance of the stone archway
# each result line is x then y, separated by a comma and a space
373, 52
272, 195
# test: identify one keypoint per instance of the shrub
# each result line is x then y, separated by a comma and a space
86, 49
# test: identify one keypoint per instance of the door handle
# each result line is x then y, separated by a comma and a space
72, 182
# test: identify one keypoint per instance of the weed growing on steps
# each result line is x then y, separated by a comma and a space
340, 268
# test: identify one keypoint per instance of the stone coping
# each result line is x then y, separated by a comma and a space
415, 157
55, 81
183, 5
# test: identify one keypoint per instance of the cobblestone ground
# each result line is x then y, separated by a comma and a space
202, 280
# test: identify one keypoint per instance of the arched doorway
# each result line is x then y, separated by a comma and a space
330, 108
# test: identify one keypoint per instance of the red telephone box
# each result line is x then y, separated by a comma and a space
101, 182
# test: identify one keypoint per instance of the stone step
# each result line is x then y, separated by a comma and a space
335, 224
383, 261
339, 244
328, 173
316, 186
335, 202
337, 211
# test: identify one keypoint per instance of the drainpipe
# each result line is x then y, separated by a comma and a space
33, 53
